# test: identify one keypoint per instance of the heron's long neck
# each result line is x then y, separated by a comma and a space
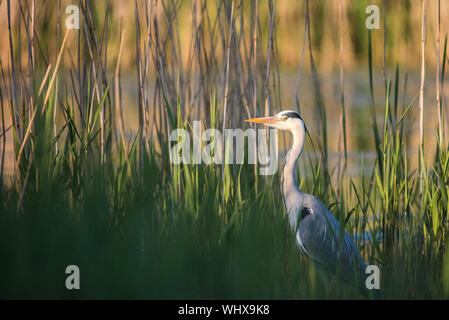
290, 190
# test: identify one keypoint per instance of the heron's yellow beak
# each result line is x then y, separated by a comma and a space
263, 120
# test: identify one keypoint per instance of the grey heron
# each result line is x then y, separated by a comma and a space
317, 231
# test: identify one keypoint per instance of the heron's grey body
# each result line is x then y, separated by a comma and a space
317, 231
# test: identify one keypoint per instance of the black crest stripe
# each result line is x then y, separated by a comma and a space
293, 115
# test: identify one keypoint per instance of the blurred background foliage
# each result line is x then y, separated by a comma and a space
402, 32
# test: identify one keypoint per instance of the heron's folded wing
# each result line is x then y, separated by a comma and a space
321, 238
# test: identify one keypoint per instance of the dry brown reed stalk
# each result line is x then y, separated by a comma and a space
7, 93
225, 98
15, 105
384, 53
342, 100
118, 110
197, 16
30, 69
254, 55
44, 81
55, 132
163, 83
226, 74
96, 47
255, 5
269, 49
319, 105
437, 83
33, 4
3, 134
140, 86
147, 129
58, 32
242, 76
96, 90
301, 65
52, 80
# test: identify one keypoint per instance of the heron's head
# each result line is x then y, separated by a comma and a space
284, 120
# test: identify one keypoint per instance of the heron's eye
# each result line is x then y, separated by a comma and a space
284, 118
